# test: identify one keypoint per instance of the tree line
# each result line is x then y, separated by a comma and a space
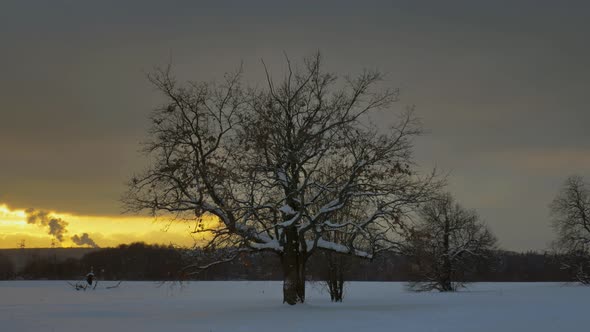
136, 261
140, 261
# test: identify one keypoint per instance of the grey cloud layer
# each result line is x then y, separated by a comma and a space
501, 87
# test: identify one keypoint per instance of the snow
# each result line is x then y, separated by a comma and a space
290, 222
287, 209
331, 206
321, 243
282, 176
271, 244
256, 306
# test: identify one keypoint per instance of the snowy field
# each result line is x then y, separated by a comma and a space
256, 306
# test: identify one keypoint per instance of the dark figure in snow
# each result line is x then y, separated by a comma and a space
90, 281
90, 278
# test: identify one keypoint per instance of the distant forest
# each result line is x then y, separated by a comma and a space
140, 261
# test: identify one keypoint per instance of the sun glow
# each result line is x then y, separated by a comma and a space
105, 231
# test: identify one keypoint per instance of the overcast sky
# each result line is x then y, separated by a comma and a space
501, 87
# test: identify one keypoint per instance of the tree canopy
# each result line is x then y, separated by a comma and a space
281, 166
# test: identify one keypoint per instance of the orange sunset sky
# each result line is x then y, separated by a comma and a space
106, 231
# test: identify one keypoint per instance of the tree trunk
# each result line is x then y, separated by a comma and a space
301, 280
447, 268
293, 269
335, 278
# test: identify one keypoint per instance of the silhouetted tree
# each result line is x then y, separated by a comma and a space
260, 265
570, 211
49, 268
135, 261
7, 270
334, 277
275, 164
446, 244
337, 264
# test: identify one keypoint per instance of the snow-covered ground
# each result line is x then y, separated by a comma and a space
256, 306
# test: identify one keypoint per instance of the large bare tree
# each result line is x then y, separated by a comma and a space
570, 212
276, 164
445, 245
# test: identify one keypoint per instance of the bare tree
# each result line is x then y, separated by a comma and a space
337, 263
445, 244
276, 164
570, 212
335, 278
7, 269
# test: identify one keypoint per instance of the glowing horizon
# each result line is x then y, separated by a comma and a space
106, 231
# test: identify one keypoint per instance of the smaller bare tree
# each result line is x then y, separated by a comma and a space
445, 245
335, 270
338, 264
570, 212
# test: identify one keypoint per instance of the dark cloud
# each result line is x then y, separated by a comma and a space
500, 85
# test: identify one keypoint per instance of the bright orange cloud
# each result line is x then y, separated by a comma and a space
106, 231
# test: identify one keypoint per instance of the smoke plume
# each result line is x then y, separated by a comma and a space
84, 240
57, 226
